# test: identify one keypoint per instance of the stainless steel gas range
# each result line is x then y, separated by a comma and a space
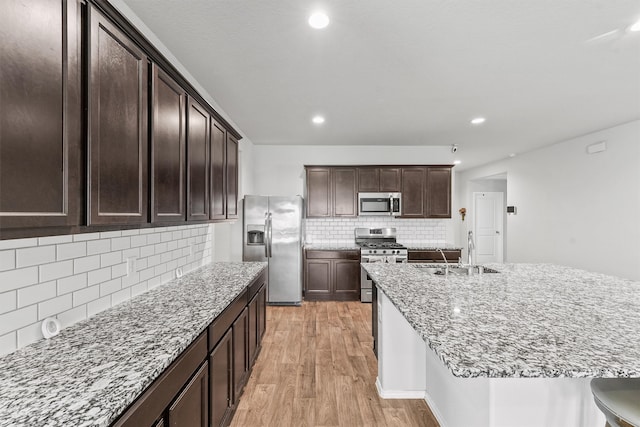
377, 245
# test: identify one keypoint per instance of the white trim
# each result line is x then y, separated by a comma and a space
399, 394
434, 410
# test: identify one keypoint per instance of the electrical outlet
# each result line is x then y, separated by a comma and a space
131, 266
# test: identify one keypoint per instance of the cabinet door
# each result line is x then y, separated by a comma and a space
346, 280
40, 124
168, 147
318, 192
262, 314
220, 373
413, 192
345, 192
218, 176
368, 179
253, 329
232, 177
439, 192
191, 407
198, 163
240, 330
318, 279
390, 180
118, 111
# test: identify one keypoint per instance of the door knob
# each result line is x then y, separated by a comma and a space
497, 232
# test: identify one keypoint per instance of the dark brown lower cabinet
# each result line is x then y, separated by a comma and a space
220, 394
203, 386
431, 255
332, 275
191, 408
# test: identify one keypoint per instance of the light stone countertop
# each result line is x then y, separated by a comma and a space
529, 320
331, 247
90, 373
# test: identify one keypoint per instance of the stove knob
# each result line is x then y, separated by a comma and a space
384, 252
375, 252
395, 252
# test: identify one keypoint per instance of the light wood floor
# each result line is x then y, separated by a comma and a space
317, 368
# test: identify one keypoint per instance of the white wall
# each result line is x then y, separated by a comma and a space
574, 209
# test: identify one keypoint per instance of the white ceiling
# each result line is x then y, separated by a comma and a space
411, 72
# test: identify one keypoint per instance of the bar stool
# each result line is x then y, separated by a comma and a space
618, 399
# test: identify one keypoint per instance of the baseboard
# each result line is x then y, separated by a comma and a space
434, 410
398, 394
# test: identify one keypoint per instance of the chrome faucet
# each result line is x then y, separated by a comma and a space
470, 247
446, 263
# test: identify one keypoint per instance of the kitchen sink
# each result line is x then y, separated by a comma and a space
463, 271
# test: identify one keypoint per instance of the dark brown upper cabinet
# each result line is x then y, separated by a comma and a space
232, 177
414, 191
41, 119
390, 180
318, 192
198, 162
168, 149
439, 192
218, 168
382, 179
118, 110
345, 192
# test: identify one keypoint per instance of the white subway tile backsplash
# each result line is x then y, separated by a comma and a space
35, 256
140, 240
119, 270
85, 236
138, 289
120, 296
111, 258
71, 250
16, 319
99, 276
72, 283
98, 246
72, 316
83, 296
29, 334
14, 279
110, 234
98, 305
110, 287
84, 264
75, 276
120, 243
56, 270
54, 306
37, 293
7, 260
18, 243
8, 343
8, 301
54, 240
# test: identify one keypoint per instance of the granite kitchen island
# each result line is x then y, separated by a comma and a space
517, 347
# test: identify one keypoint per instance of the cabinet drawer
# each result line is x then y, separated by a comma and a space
223, 322
322, 254
433, 256
256, 285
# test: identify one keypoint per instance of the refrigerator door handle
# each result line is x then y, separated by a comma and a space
270, 235
266, 234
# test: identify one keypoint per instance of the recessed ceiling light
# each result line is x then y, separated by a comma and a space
457, 162
635, 27
478, 121
318, 20
318, 120
512, 155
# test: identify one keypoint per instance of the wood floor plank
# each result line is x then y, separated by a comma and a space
317, 368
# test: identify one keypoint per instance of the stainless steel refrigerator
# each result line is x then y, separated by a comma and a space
272, 232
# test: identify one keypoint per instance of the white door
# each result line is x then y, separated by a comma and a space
488, 208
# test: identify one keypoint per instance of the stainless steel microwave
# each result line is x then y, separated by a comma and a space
389, 204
